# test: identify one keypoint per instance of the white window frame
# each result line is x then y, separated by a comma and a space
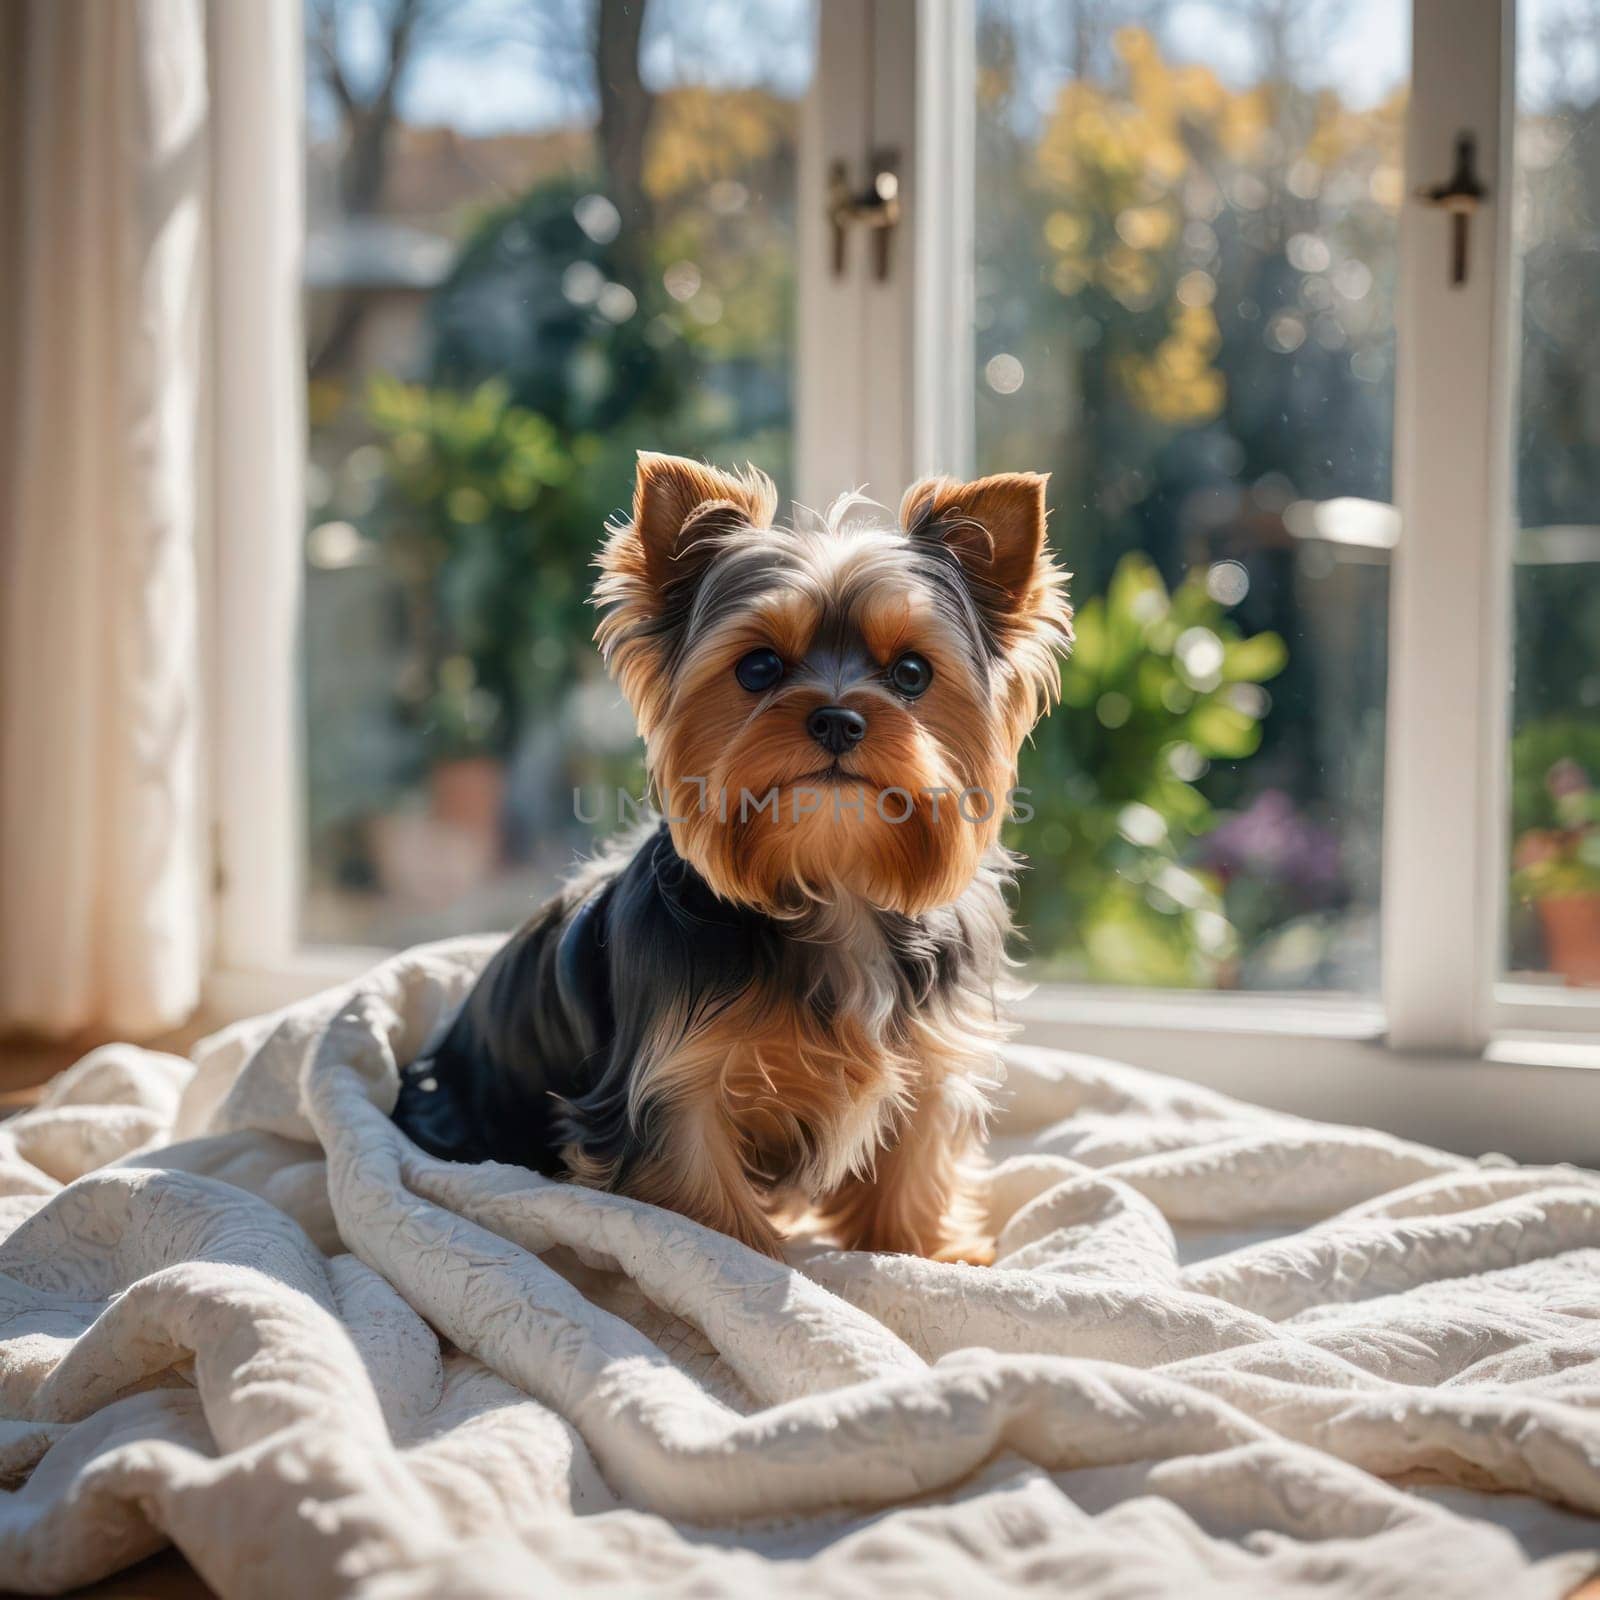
884, 390
1450, 601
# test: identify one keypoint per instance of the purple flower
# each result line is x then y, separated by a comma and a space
1269, 839
1565, 778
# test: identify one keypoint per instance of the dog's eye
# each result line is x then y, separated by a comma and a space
759, 670
911, 674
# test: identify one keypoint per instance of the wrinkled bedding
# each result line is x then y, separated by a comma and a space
1222, 1351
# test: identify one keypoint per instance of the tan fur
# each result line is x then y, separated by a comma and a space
958, 737
919, 1197
996, 526
882, 1130
875, 1114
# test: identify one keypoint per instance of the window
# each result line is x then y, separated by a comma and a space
1187, 231
1330, 739
533, 246
1553, 931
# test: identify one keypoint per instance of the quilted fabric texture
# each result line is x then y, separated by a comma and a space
1223, 1351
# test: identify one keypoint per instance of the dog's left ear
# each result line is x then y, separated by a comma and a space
995, 527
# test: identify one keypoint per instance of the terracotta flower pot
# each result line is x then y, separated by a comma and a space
425, 864
469, 794
1571, 925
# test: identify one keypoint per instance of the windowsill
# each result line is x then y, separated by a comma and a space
1228, 1011
1301, 1016
232, 993
1544, 1050
1317, 1056
1327, 1059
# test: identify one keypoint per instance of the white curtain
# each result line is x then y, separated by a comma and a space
103, 199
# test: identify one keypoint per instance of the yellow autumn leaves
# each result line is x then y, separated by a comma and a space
1176, 383
1129, 163
701, 135
1137, 133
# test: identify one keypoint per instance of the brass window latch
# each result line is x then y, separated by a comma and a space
1461, 195
876, 208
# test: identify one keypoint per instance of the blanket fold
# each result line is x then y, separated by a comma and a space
1222, 1350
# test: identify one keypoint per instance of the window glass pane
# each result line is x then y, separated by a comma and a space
519, 269
1554, 926
1187, 221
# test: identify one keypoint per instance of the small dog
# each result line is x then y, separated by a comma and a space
788, 992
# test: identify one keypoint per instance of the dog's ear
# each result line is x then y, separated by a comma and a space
650, 565
994, 527
679, 504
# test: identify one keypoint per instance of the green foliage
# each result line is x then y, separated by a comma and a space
523, 305
585, 334
1158, 686
477, 521
554, 356
1571, 867
1540, 750
1555, 808
1185, 380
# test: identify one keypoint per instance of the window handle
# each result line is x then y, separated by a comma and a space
876, 208
1460, 195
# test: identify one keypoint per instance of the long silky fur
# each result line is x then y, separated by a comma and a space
723, 1016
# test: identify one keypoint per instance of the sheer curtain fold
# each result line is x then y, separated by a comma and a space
103, 200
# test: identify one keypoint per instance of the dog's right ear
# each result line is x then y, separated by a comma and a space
679, 504
650, 564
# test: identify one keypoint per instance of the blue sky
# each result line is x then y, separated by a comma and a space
503, 86
1360, 47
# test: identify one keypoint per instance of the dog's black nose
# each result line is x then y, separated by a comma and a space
836, 728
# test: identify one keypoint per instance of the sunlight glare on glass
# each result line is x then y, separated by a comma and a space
332, 545
1227, 582
616, 303
582, 283
1003, 373
598, 218
1199, 653
682, 280
1141, 824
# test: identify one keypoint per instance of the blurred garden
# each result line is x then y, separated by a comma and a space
497, 324
1184, 312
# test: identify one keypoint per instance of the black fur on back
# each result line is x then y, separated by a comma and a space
542, 1051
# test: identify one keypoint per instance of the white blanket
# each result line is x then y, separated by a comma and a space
1223, 1351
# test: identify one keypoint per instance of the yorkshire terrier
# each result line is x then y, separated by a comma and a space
787, 994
